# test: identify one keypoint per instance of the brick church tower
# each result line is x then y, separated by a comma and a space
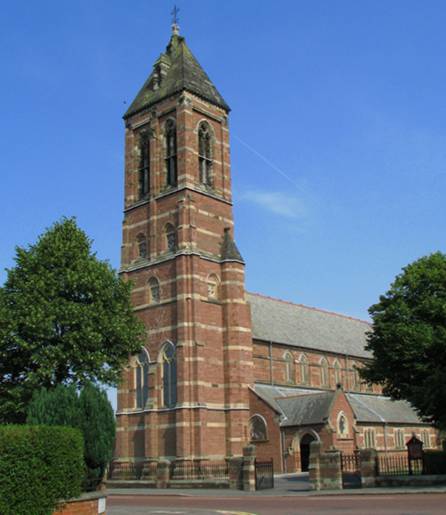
185, 397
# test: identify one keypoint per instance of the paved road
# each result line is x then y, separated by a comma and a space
394, 504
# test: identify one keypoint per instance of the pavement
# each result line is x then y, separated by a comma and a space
284, 485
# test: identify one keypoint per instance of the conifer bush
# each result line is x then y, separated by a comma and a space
39, 466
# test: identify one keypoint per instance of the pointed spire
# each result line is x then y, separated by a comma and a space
229, 250
174, 71
175, 20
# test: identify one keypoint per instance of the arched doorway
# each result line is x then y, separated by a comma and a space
305, 451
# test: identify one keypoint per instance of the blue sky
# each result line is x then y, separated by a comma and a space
338, 130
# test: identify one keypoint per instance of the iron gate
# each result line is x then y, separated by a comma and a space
264, 474
351, 470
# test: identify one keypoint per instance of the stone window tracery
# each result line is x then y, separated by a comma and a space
304, 369
289, 369
337, 372
171, 153
154, 291
142, 379
342, 424
144, 166
142, 246
258, 429
171, 238
324, 372
205, 154
169, 372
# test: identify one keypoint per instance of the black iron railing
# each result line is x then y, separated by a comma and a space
264, 474
203, 471
398, 465
350, 462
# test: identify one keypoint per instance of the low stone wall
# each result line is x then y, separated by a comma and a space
421, 480
93, 503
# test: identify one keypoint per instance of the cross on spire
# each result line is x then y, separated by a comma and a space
175, 20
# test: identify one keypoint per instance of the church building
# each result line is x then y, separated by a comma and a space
221, 367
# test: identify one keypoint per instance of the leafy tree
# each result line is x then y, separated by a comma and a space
57, 407
408, 338
65, 318
98, 427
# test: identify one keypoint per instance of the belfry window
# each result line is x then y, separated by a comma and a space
144, 167
142, 380
205, 154
171, 153
171, 238
154, 291
169, 370
257, 429
142, 246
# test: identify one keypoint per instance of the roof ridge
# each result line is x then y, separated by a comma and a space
303, 395
311, 308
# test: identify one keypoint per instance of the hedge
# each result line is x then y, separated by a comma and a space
39, 466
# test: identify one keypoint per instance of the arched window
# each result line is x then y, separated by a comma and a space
154, 291
289, 369
171, 238
337, 372
142, 245
356, 383
304, 369
213, 287
342, 424
324, 372
144, 166
142, 380
171, 152
169, 370
205, 154
257, 429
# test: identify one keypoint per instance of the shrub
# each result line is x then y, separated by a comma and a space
39, 466
91, 412
98, 428
434, 462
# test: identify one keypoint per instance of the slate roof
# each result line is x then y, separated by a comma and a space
377, 408
229, 250
298, 406
183, 73
301, 326
306, 409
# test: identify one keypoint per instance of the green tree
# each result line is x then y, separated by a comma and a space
65, 318
91, 412
98, 427
57, 407
408, 338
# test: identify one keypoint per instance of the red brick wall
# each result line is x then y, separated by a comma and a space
79, 507
271, 448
